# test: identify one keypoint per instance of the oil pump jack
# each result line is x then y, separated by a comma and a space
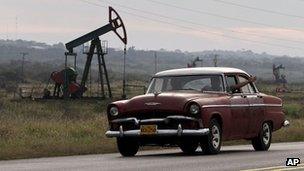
67, 77
194, 62
280, 78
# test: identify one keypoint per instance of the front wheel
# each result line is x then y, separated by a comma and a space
212, 143
263, 140
127, 146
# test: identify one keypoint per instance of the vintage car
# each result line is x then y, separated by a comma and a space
196, 106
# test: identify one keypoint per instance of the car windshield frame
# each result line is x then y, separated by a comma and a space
221, 76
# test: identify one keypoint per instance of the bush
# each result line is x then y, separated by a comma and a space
294, 110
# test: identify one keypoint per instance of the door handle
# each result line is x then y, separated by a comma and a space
259, 96
244, 96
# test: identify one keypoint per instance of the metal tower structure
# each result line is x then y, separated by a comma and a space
117, 26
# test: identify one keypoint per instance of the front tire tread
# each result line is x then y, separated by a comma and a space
127, 147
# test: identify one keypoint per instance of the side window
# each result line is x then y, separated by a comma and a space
231, 81
247, 88
207, 83
253, 88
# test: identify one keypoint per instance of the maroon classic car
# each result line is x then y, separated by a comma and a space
196, 106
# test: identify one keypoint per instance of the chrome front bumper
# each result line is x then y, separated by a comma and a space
161, 132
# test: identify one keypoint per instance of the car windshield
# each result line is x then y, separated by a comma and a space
198, 83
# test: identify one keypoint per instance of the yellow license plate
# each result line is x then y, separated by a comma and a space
148, 129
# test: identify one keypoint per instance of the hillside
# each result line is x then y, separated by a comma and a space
141, 62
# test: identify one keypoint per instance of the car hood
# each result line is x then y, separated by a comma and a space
164, 102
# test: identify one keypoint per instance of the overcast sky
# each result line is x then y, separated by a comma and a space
54, 21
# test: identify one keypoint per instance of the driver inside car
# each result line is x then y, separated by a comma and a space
176, 84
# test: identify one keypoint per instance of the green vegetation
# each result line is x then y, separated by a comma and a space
294, 110
52, 128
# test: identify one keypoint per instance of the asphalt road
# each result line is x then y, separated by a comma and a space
231, 158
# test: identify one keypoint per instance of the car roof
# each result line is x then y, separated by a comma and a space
199, 71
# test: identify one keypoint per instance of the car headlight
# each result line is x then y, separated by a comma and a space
114, 111
194, 109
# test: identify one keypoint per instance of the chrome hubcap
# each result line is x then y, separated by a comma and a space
266, 133
215, 136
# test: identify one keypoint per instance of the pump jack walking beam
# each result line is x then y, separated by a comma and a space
115, 22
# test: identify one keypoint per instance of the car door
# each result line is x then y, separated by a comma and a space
239, 107
256, 108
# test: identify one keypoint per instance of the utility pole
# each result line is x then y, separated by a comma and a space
155, 60
215, 60
124, 95
22, 66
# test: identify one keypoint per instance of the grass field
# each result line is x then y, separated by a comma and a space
56, 128
53, 128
